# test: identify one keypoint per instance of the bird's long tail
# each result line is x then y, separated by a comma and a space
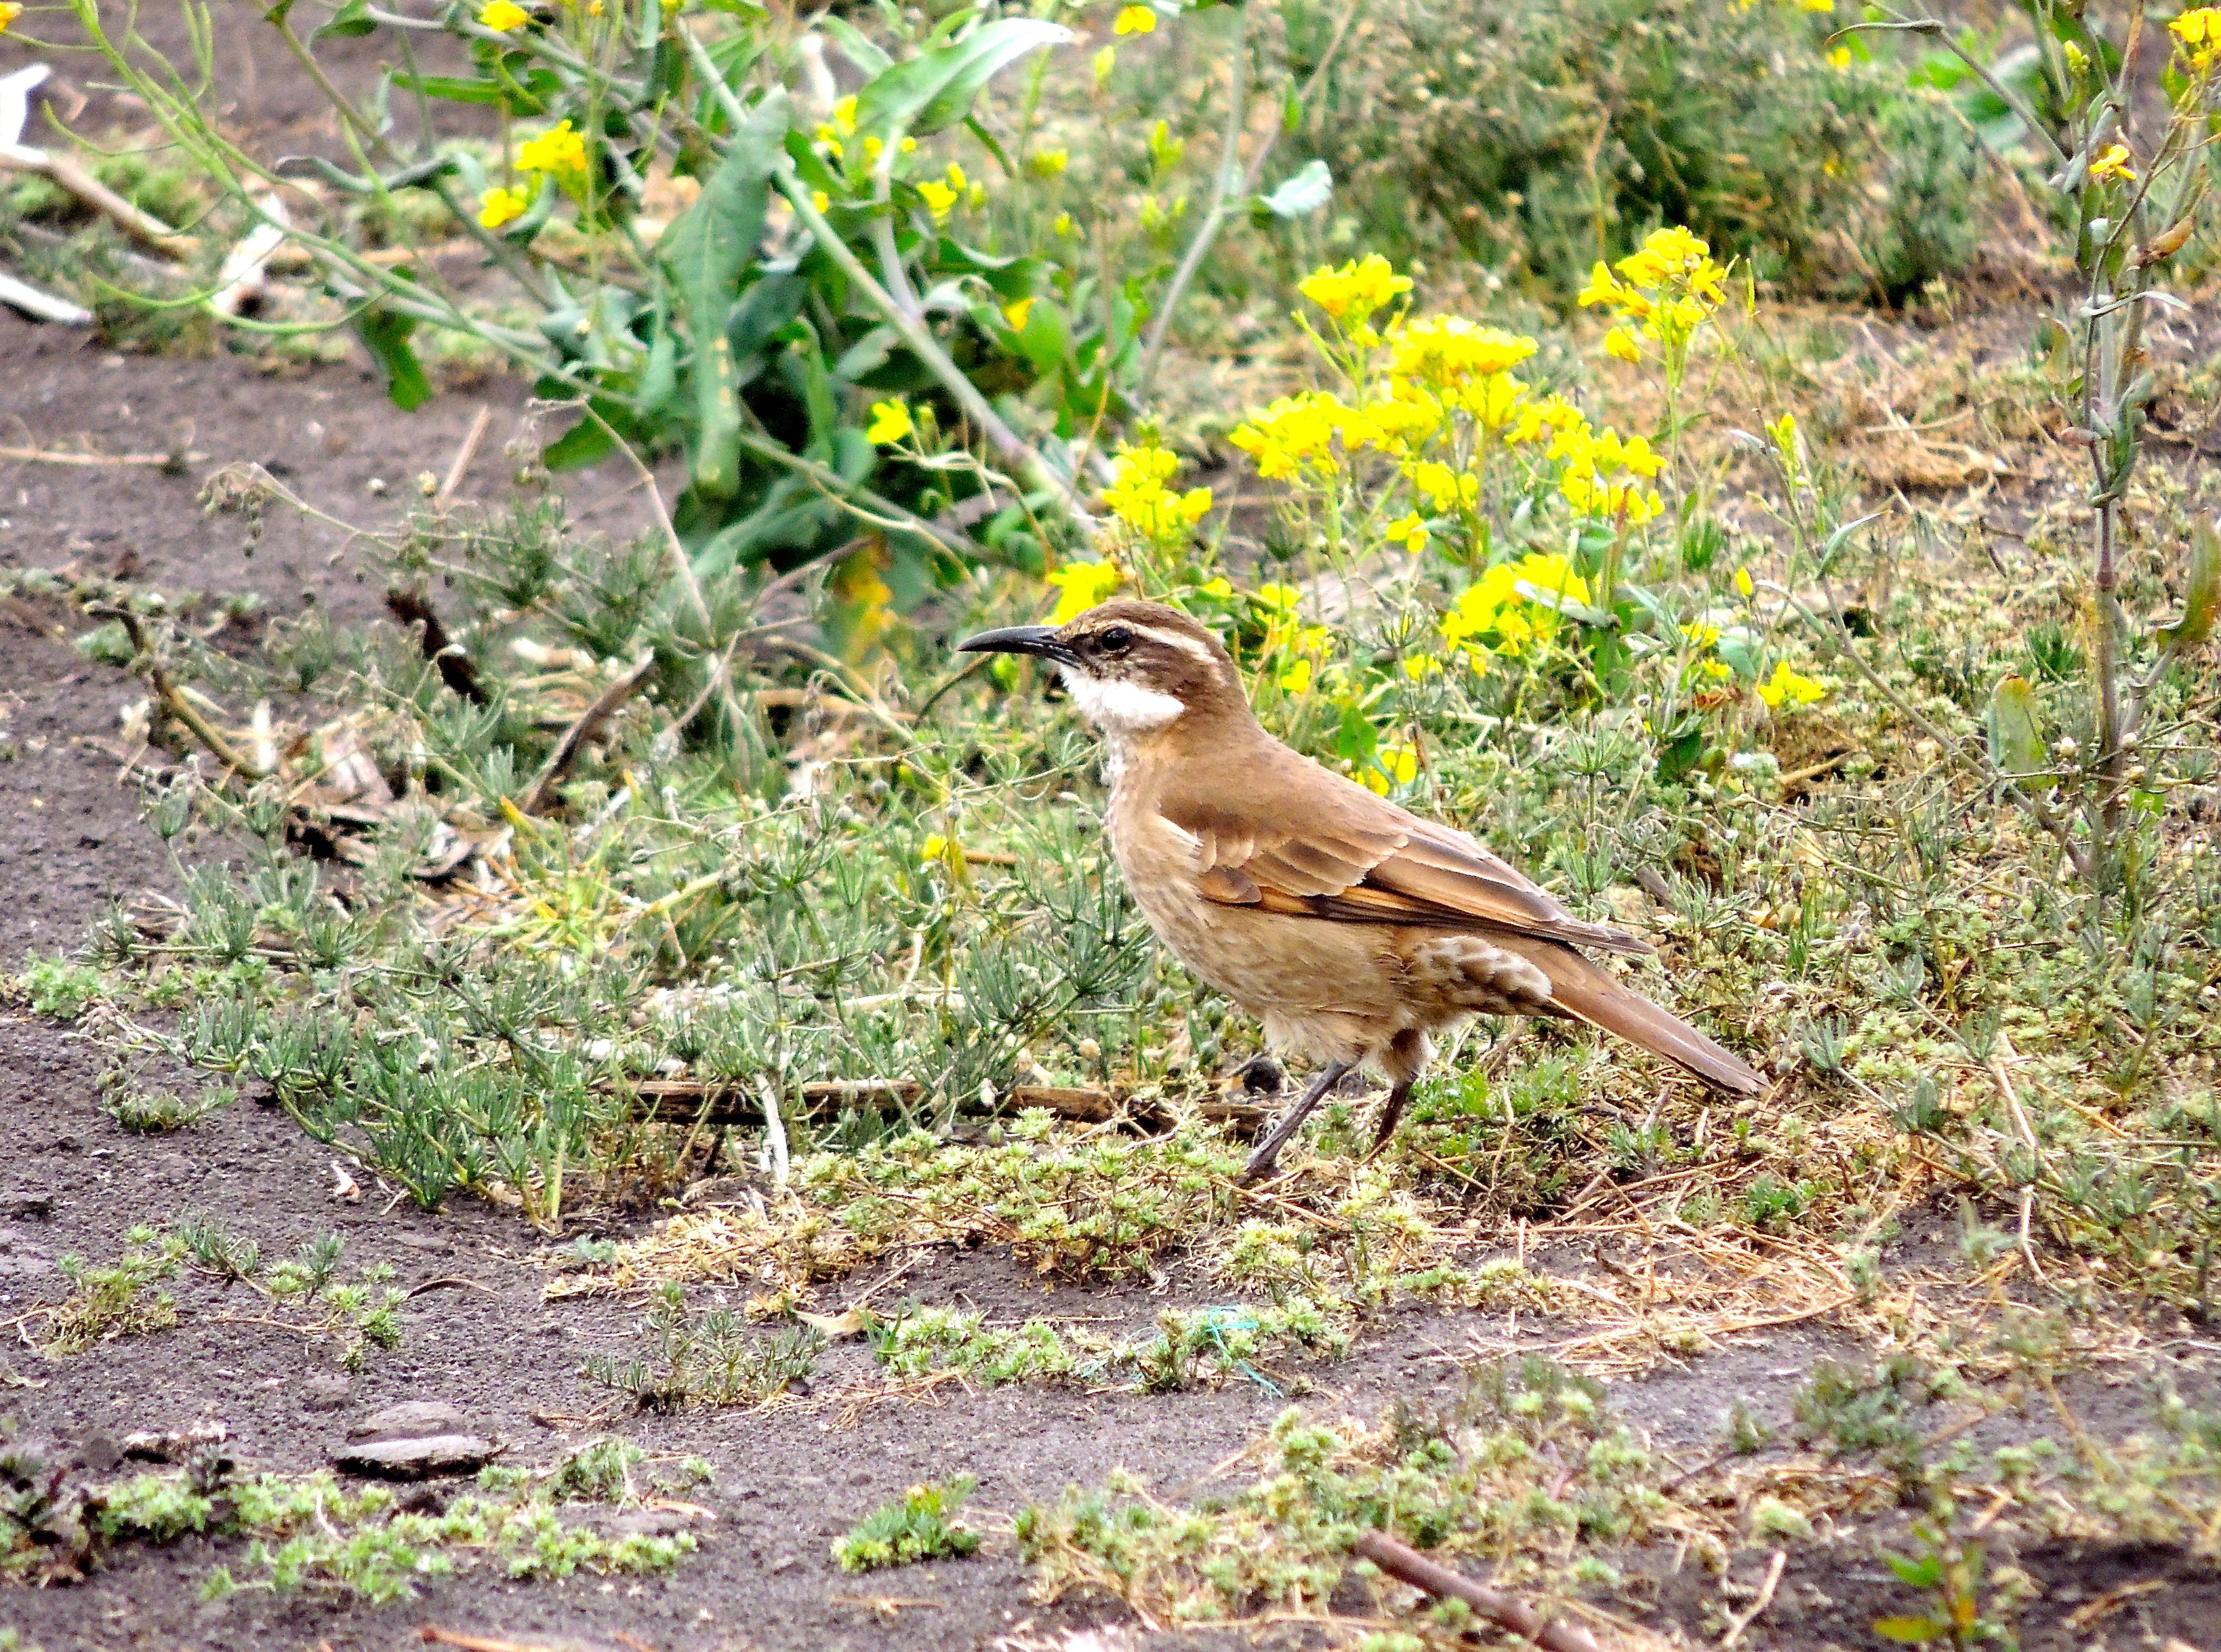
1579, 989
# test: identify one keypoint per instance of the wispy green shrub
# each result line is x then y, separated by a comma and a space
1539, 139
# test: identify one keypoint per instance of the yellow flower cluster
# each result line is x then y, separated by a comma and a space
1395, 764
890, 423
1592, 483
2111, 163
1663, 291
1512, 605
1137, 495
1079, 586
1789, 685
2197, 37
9, 12
561, 151
1295, 434
503, 205
1351, 294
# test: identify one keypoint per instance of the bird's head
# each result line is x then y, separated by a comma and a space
1132, 668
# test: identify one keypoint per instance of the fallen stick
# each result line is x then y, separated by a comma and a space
1743, 1621
173, 702
53, 456
64, 173
448, 656
605, 706
42, 306
1407, 1565
465, 454
436, 1636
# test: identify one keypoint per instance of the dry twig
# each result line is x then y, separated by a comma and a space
1406, 1565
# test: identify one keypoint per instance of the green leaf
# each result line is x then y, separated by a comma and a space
706, 252
385, 334
935, 88
451, 89
1911, 1631
855, 46
1356, 738
584, 443
350, 19
1922, 1573
1303, 193
2201, 594
2016, 744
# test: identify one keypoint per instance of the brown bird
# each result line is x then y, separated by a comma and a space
1354, 929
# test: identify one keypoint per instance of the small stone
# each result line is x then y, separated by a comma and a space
413, 1419
647, 1523
325, 1391
418, 1459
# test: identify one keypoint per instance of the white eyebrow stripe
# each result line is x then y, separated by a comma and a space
1186, 645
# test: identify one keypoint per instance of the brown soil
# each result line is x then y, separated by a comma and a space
787, 1480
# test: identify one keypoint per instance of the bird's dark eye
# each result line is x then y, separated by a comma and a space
1117, 640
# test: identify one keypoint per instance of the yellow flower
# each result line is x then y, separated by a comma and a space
1015, 314
820, 199
2201, 27
890, 423
2078, 59
9, 12
1063, 225
957, 181
1620, 345
873, 148
1818, 5
1049, 163
1277, 599
844, 117
502, 16
1356, 290
1409, 532
1297, 679
1218, 589
1603, 288
1702, 634
2113, 162
1786, 685
1081, 586
1420, 666
1840, 59
1294, 433
1444, 488
947, 850
1137, 495
1134, 20
559, 151
1742, 582
1399, 762
939, 199
1448, 349
1105, 61
502, 205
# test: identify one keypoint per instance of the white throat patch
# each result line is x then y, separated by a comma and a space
1118, 707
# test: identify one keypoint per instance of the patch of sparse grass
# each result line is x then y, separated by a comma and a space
121, 1298
53, 985
1523, 1468
918, 1527
709, 1358
322, 1534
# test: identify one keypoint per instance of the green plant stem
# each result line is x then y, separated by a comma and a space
1225, 192
1009, 447
2034, 807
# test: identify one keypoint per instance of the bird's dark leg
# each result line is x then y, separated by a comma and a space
1260, 1161
1390, 1111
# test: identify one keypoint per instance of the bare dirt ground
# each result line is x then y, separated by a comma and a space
476, 1329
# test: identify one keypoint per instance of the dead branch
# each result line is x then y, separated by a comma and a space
1407, 1565
472, 439
456, 669
1744, 1620
171, 461
173, 702
605, 706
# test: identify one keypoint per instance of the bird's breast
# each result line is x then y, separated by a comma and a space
1273, 965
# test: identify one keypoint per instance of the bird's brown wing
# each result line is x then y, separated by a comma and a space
1303, 841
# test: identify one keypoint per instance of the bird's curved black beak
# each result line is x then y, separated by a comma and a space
1043, 639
